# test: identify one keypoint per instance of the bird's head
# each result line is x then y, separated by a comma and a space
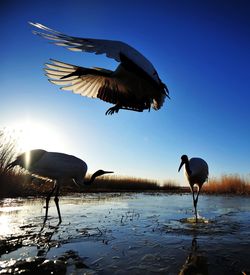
184, 159
101, 172
97, 174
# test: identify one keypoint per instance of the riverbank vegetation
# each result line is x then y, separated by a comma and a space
228, 184
16, 182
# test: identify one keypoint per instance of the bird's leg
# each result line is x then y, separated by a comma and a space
196, 200
130, 109
195, 203
57, 203
47, 203
114, 109
117, 107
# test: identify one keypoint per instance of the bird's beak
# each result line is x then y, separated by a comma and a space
108, 172
166, 92
180, 166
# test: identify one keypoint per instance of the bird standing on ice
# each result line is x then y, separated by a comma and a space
196, 171
134, 85
57, 167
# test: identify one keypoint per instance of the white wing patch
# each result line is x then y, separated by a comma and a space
85, 83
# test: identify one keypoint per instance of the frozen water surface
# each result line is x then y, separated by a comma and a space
112, 233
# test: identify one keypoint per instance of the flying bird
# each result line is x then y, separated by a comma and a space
196, 171
56, 167
134, 85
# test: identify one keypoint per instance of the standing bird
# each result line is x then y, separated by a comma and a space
57, 167
134, 85
196, 171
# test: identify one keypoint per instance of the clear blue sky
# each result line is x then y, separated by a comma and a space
201, 50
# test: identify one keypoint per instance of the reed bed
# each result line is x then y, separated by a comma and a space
115, 183
15, 184
228, 184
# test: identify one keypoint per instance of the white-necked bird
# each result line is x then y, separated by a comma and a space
196, 171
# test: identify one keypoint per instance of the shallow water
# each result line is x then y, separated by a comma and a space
126, 234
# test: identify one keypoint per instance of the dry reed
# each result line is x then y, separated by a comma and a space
10, 181
228, 184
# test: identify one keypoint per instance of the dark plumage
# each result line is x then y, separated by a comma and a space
134, 85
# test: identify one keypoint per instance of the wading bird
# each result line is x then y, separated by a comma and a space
196, 171
134, 85
56, 167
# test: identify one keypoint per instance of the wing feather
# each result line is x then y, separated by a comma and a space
65, 81
92, 88
78, 85
80, 88
58, 77
111, 48
62, 68
86, 85
62, 64
72, 78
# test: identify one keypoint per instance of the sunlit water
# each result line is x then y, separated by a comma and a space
128, 234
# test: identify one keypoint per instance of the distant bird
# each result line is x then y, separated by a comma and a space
196, 171
57, 167
134, 85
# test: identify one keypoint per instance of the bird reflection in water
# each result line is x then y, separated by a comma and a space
196, 262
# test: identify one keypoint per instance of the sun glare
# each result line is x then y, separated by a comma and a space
36, 135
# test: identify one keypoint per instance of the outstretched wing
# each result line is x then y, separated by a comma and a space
112, 49
95, 83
